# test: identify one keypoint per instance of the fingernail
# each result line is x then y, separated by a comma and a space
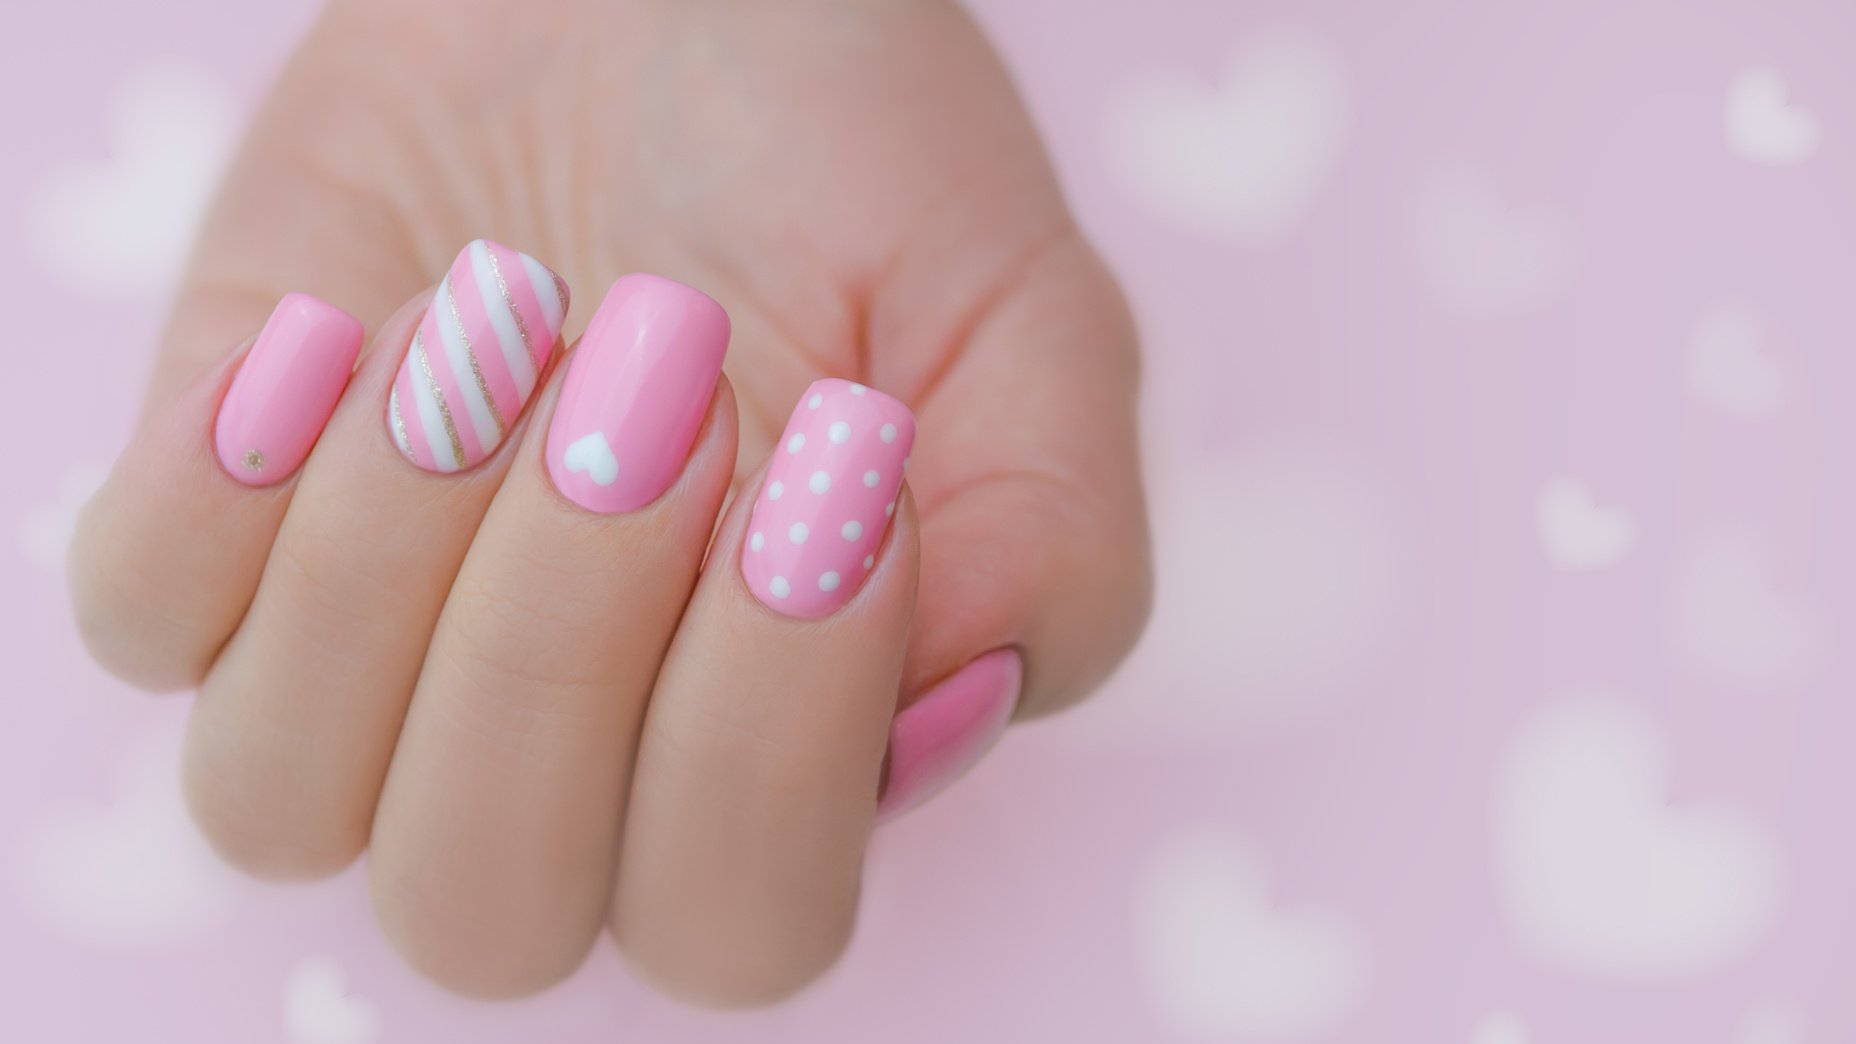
636, 392
946, 732
475, 357
285, 390
827, 499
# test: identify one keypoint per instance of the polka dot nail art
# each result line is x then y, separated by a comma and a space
826, 502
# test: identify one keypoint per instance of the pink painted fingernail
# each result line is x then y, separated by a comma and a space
286, 389
475, 357
827, 499
636, 392
942, 735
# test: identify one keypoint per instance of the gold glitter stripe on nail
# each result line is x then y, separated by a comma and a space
475, 370
399, 421
560, 292
438, 396
521, 327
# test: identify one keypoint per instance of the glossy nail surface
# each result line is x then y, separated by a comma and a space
285, 390
636, 391
944, 733
827, 499
475, 357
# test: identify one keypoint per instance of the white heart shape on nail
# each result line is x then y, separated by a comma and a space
592, 454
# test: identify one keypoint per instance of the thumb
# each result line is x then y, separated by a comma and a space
1034, 533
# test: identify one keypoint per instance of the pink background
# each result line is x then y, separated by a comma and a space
1498, 690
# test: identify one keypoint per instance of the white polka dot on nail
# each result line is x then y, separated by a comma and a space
839, 432
871, 478
756, 542
852, 529
821, 481
815, 402
795, 444
798, 533
828, 582
779, 587
887, 432
858, 389
774, 491
869, 560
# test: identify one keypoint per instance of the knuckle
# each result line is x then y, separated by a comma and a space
478, 949
1106, 574
124, 613
518, 671
254, 824
752, 969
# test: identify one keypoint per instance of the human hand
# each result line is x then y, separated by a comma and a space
546, 719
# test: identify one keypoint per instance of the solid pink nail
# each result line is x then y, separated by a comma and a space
285, 390
944, 733
637, 389
828, 498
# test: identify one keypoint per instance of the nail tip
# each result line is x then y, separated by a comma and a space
560, 287
938, 739
315, 308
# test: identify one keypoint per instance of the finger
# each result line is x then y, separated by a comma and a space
291, 736
757, 770
495, 838
169, 551
1039, 554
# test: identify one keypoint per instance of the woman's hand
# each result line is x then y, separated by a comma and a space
556, 688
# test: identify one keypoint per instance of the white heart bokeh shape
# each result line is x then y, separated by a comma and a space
1222, 959
1481, 256
1500, 1027
120, 226
45, 530
1577, 533
319, 1009
1600, 874
1771, 1021
1729, 621
1765, 127
1241, 158
1725, 367
131, 873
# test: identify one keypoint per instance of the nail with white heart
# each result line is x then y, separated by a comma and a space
636, 392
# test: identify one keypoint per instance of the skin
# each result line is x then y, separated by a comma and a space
547, 723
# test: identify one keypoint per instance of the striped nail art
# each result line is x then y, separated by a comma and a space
475, 357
